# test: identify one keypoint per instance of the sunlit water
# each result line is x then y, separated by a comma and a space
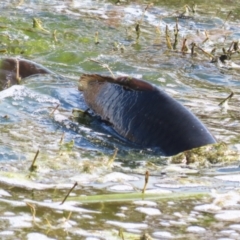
28, 123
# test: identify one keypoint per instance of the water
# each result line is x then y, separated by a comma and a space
28, 201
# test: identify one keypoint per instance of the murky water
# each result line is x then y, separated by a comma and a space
72, 151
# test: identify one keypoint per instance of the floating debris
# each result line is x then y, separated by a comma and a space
218, 154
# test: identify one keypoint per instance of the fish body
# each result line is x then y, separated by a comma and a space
144, 114
137, 110
12, 70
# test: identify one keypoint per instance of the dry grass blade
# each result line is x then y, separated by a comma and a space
103, 65
33, 167
168, 40
62, 138
18, 78
96, 38
193, 48
54, 110
120, 233
228, 16
225, 101
206, 53
184, 48
176, 30
111, 159
207, 37
33, 210
137, 28
146, 181
63, 201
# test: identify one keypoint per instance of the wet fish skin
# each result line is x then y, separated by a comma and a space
144, 114
137, 110
26, 68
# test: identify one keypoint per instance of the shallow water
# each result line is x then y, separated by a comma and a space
27, 123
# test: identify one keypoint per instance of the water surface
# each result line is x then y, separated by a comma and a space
27, 124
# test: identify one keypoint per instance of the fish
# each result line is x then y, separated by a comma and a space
12, 70
136, 110
144, 114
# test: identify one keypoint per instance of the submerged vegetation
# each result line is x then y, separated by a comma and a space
51, 152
